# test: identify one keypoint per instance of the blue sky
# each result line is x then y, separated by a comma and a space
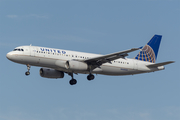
96, 26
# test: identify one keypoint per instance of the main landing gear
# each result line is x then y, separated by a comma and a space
90, 77
28, 68
74, 81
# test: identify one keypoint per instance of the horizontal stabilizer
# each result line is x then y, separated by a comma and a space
159, 64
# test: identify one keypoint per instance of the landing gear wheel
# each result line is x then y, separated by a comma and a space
90, 77
27, 73
73, 82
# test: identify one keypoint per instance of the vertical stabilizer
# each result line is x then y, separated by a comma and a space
150, 51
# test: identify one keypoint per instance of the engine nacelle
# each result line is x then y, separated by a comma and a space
60, 63
76, 65
51, 73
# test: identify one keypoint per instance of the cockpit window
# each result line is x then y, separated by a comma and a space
18, 49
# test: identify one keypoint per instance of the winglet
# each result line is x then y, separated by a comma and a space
141, 47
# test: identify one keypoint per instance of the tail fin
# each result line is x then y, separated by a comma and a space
150, 51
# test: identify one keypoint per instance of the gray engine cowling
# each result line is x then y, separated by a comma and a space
76, 65
50, 73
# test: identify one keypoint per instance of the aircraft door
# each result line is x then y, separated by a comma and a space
32, 51
135, 64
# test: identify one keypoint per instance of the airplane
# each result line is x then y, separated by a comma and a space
56, 62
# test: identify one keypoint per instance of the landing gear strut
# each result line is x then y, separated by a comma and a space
28, 68
72, 81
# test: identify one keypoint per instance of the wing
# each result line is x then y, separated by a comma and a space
98, 61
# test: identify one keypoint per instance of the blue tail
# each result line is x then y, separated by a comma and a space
150, 50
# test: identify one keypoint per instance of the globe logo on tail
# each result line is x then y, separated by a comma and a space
146, 54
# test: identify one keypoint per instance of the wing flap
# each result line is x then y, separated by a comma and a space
97, 61
159, 64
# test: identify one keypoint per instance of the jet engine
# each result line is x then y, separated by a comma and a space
76, 65
51, 73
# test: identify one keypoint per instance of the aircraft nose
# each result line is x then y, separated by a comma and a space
9, 55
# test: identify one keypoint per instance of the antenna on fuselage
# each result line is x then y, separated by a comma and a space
30, 44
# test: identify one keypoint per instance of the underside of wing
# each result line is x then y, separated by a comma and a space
97, 61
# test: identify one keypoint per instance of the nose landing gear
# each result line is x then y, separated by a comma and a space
28, 68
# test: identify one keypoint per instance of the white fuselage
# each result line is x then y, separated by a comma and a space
48, 57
